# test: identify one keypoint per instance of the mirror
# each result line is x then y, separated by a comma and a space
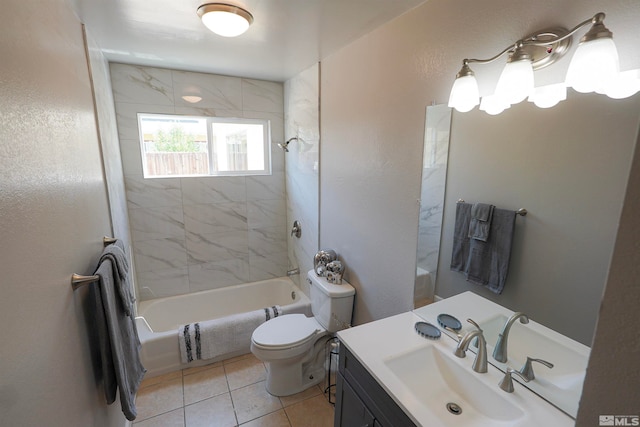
434, 175
568, 166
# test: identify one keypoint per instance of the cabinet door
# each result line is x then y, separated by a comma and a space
350, 410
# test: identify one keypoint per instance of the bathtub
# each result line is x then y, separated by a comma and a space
159, 319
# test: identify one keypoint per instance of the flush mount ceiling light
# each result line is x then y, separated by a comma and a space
593, 68
225, 19
192, 99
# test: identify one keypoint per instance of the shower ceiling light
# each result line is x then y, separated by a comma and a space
593, 68
225, 19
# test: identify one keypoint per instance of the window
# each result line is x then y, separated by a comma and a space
197, 146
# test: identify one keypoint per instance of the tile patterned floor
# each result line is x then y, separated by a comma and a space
227, 394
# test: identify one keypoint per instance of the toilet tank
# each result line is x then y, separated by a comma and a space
332, 304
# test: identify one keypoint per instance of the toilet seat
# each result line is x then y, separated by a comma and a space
290, 330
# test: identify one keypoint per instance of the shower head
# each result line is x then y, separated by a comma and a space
285, 145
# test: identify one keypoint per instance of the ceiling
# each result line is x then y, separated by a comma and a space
287, 36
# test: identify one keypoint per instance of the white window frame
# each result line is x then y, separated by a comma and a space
266, 129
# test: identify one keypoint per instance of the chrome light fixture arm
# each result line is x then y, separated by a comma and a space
597, 19
512, 47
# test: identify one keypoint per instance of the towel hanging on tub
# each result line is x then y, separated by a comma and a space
213, 338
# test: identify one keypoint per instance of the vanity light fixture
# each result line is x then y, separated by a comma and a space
225, 19
593, 68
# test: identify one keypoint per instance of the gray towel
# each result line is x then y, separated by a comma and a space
460, 253
116, 254
480, 224
119, 342
488, 262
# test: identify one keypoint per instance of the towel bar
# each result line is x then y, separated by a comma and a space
521, 211
78, 280
106, 241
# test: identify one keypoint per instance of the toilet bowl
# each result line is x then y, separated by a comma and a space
292, 346
287, 344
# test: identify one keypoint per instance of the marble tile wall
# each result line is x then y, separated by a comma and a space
302, 94
197, 233
434, 175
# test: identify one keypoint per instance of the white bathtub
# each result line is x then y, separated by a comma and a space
159, 319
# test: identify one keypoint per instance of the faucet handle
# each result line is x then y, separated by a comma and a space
454, 332
474, 324
527, 368
507, 382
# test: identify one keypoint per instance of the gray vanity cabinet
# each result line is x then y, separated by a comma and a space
361, 401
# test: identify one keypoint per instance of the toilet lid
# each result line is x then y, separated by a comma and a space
286, 331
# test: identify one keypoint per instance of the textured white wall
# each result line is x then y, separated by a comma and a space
374, 92
53, 214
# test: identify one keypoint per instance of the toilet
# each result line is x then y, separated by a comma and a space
292, 346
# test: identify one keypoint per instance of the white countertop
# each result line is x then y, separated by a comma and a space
375, 342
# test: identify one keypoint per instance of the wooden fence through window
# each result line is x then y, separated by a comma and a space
177, 164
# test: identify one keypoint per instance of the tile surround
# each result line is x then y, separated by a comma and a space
302, 94
193, 234
227, 393
436, 149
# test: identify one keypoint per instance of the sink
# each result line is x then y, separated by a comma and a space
436, 379
561, 386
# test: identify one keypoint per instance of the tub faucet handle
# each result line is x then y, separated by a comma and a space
296, 230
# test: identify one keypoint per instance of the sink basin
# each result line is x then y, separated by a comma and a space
569, 366
561, 386
435, 379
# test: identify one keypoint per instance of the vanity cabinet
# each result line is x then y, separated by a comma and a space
361, 401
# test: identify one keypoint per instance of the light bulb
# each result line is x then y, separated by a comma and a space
548, 96
493, 104
594, 66
225, 24
624, 85
516, 81
464, 94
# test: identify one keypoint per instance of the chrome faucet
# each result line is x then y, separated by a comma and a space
480, 363
500, 350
